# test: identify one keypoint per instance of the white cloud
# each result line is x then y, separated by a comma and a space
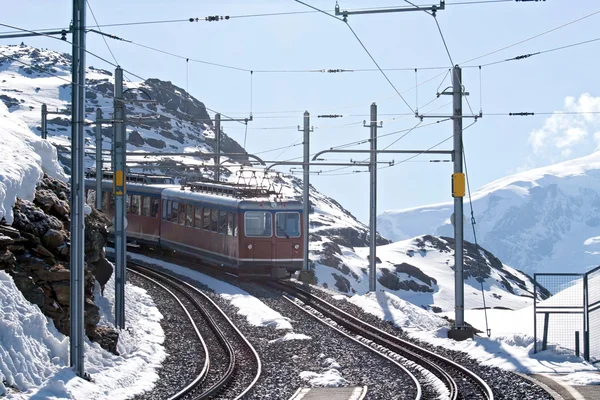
568, 134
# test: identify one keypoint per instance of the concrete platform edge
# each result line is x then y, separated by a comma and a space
547, 388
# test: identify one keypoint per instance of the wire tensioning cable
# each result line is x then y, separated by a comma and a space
473, 222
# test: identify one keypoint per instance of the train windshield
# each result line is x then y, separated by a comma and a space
258, 224
287, 224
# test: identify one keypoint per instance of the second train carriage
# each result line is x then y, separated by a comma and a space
247, 233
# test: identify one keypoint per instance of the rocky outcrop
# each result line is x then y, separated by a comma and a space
35, 252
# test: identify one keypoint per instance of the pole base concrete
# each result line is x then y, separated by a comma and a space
460, 334
307, 277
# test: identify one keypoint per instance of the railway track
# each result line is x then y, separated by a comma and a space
458, 381
228, 357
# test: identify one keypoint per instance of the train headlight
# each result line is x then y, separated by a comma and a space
296, 246
249, 247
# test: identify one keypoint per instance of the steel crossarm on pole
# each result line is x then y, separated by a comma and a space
316, 164
316, 156
433, 8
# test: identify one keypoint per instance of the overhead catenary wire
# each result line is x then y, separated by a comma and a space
526, 56
532, 37
364, 48
103, 37
243, 16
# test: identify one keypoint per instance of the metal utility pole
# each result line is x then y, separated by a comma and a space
306, 193
45, 112
459, 295
217, 145
373, 201
44, 121
77, 251
119, 191
98, 159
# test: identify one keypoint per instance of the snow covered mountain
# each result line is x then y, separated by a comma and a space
31, 77
543, 220
183, 124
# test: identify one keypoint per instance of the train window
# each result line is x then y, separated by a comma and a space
105, 200
189, 220
214, 220
287, 224
174, 209
181, 214
155, 206
206, 220
230, 219
146, 205
136, 204
111, 201
164, 210
197, 217
235, 224
258, 224
223, 222
128, 204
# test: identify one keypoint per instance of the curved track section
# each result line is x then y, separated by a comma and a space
460, 382
225, 368
204, 371
411, 376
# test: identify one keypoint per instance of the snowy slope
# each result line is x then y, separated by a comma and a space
25, 157
34, 356
543, 220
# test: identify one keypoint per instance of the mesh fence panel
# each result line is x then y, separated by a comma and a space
594, 313
559, 316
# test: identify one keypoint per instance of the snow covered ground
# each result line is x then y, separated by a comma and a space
34, 356
510, 345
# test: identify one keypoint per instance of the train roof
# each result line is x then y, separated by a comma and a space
228, 201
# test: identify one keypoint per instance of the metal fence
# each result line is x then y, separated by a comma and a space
567, 319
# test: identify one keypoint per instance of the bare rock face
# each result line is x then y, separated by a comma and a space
35, 252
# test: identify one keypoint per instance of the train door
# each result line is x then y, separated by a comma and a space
287, 233
258, 228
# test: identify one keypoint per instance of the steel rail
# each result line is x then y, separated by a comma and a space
185, 288
419, 394
204, 372
409, 350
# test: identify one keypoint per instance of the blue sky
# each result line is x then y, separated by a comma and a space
495, 146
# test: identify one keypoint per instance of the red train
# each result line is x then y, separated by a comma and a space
234, 227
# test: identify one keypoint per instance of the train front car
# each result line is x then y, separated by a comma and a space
270, 237
243, 229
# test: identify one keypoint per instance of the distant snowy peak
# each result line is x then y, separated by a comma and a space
542, 220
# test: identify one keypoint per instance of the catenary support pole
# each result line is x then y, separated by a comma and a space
217, 146
459, 300
77, 260
119, 191
373, 202
44, 133
98, 159
306, 193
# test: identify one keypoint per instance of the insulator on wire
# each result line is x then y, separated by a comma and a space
211, 18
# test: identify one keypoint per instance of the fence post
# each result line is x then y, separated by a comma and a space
586, 319
546, 323
577, 343
535, 345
